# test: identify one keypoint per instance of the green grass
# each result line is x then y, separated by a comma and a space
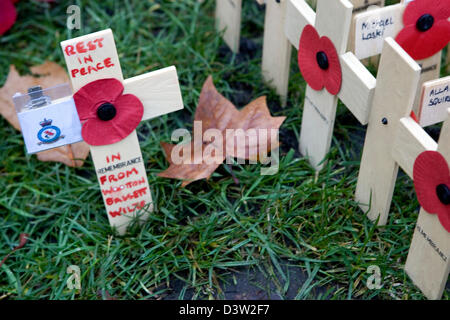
202, 233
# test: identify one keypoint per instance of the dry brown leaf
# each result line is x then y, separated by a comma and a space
187, 172
46, 75
217, 112
255, 116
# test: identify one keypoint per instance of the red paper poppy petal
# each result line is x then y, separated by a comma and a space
309, 38
430, 169
94, 131
439, 9
333, 79
421, 45
8, 15
129, 109
313, 75
307, 61
444, 217
432, 41
89, 97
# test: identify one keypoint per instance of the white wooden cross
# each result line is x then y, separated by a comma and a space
277, 48
394, 139
120, 167
397, 81
333, 20
372, 27
276, 57
428, 262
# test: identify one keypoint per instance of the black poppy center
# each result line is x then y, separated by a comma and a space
443, 193
106, 111
322, 60
425, 22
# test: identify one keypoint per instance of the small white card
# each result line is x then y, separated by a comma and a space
434, 102
51, 126
373, 26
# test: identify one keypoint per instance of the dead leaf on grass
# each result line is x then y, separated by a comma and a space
216, 112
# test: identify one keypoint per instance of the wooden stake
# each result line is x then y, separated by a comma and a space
120, 166
228, 18
398, 77
276, 49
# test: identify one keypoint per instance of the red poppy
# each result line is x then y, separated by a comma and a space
108, 116
319, 61
432, 183
8, 14
426, 28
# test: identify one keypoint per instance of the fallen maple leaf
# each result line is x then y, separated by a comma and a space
46, 75
216, 112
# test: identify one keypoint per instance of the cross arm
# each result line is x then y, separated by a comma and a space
298, 15
159, 92
358, 88
411, 140
359, 85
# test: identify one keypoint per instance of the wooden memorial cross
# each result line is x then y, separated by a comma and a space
397, 81
277, 49
119, 166
276, 58
428, 262
373, 26
394, 139
358, 84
